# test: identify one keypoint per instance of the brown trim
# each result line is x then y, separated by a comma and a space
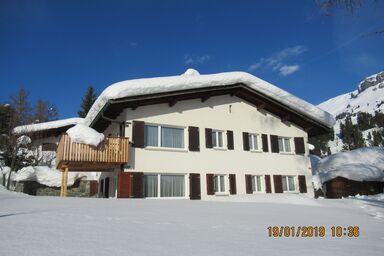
274, 143
268, 188
210, 184
302, 184
137, 184
194, 186
278, 183
299, 145
194, 138
248, 184
138, 134
208, 138
264, 140
230, 140
245, 141
232, 184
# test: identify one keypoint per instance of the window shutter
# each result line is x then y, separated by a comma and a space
138, 184
194, 138
194, 186
208, 137
106, 187
299, 145
93, 187
138, 134
274, 144
277, 182
248, 184
264, 140
124, 185
268, 188
210, 184
302, 184
245, 141
230, 140
232, 184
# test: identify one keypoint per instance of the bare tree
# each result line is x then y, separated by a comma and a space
45, 111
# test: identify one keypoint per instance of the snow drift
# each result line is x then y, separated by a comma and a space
363, 164
85, 135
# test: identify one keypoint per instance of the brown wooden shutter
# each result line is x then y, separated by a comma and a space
232, 184
277, 182
230, 140
264, 140
138, 134
194, 138
124, 185
299, 145
210, 184
268, 188
194, 186
248, 184
93, 185
274, 144
246, 141
208, 137
302, 184
101, 190
138, 185
106, 187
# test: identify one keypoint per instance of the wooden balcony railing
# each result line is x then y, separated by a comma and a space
113, 151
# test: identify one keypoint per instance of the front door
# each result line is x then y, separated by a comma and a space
194, 186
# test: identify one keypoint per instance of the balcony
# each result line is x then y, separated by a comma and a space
110, 153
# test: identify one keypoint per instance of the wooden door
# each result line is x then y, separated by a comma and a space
194, 186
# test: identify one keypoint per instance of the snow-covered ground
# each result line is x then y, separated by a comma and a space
85, 226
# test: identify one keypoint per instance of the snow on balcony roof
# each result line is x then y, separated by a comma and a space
23, 129
363, 164
192, 79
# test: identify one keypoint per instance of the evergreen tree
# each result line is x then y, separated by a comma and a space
365, 121
351, 135
379, 119
87, 101
45, 111
378, 138
321, 143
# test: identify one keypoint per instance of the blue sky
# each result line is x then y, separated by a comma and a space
55, 49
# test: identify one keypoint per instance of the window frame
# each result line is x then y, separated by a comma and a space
284, 139
285, 179
225, 184
158, 192
215, 136
262, 186
251, 142
159, 128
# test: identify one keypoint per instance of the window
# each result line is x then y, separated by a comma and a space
253, 141
217, 139
256, 183
165, 137
288, 183
284, 144
164, 185
219, 183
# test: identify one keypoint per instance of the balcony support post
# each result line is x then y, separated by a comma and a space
64, 182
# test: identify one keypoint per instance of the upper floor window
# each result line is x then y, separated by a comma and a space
162, 136
288, 183
254, 141
285, 144
217, 139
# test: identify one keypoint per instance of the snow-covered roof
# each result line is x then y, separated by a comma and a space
193, 80
83, 134
363, 164
47, 125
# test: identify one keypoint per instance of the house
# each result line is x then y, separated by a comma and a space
360, 171
198, 137
44, 179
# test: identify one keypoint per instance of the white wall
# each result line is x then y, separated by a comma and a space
223, 113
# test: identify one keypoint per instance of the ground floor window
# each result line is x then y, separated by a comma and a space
288, 183
219, 183
164, 185
256, 183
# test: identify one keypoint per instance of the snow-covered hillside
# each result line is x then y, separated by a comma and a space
368, 97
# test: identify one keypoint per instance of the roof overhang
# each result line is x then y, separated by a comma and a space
113, 108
